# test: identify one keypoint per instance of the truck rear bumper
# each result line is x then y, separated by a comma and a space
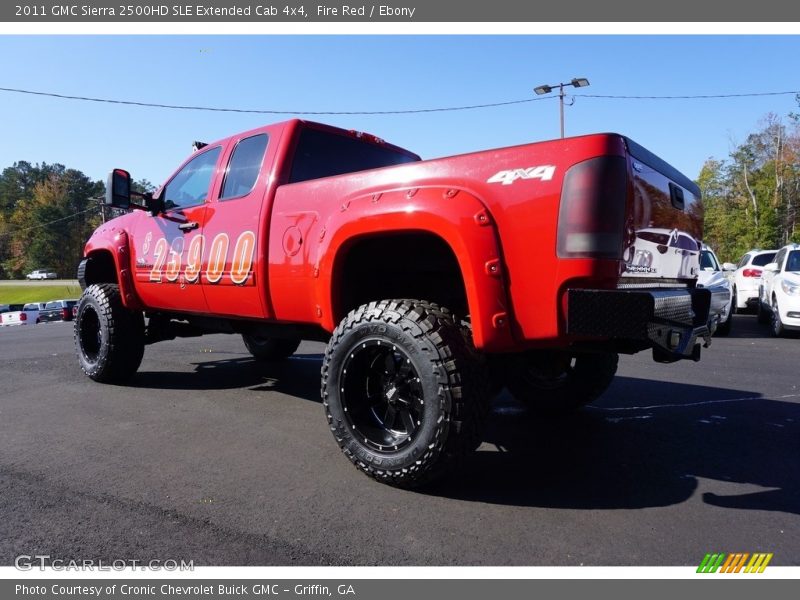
674, 322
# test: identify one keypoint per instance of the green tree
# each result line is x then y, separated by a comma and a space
46, 214
751, 198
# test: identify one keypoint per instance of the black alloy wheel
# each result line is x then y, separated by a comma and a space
381, 395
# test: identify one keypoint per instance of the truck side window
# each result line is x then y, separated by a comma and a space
244, 166
190, 185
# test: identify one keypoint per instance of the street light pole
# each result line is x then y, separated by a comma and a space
546, 89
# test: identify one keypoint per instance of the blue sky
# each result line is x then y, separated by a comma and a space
345, 73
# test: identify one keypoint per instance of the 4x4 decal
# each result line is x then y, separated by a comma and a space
509, 176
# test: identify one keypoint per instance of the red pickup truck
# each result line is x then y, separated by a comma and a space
433, 282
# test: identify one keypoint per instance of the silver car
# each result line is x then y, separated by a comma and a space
711, 276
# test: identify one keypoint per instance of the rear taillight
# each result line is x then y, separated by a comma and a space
74, 311
751, 273
23, 316
591, 218
65, 314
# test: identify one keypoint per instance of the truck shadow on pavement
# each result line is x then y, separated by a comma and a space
645, 444
297, 376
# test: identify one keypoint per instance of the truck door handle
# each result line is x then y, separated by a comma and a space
188, 226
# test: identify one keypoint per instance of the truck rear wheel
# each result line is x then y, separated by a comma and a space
404, 392
267, 348
109, 338
557, 384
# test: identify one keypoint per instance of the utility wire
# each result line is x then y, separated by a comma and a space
692, 97
272, 112
384, 112
80, 212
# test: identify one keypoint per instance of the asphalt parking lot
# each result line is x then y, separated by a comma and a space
208, 456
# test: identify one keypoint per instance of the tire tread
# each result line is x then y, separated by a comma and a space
463, 387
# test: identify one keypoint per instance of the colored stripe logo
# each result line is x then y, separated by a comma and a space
735, 563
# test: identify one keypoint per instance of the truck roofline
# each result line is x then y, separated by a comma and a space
293, 123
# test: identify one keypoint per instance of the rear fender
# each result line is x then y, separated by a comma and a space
458, 218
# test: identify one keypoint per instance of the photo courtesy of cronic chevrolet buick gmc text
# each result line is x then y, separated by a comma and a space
434, 283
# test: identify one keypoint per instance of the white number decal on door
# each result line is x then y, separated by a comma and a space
242, 257
168, 260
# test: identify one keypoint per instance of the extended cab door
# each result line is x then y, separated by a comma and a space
234, 273
168, 248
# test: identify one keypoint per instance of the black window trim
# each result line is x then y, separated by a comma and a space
228, 166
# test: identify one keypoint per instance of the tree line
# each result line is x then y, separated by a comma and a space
752, 197
751, 200
47, 212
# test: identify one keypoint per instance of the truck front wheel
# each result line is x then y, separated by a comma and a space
404, 392
267, 348
559, 383
109, 338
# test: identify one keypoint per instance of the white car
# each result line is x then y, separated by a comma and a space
747, 277
41, 274
711, 276
19, 317
779, 295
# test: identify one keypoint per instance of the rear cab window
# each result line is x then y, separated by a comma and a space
325, 154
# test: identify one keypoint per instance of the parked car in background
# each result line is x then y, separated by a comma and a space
37, 306
41, 274
711, 276
19, 317
747, 278
779, 293
57, 310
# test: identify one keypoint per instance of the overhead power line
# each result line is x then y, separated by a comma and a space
383, 112
40, 225
269, 111
690, 97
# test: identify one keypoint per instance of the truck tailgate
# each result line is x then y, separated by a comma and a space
664, 221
